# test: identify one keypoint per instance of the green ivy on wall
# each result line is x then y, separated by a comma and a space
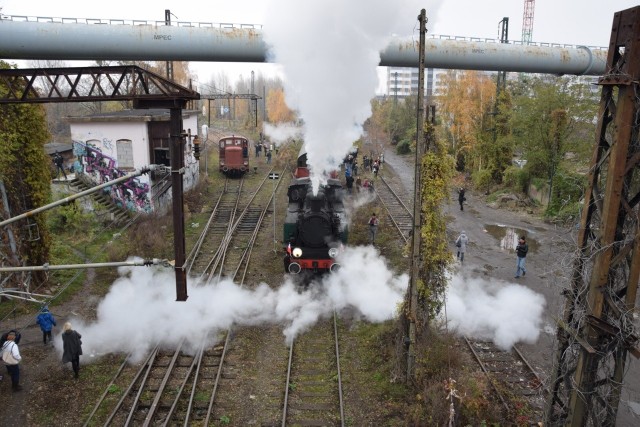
25, 172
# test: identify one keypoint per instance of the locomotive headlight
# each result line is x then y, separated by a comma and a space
333, 252
297, 252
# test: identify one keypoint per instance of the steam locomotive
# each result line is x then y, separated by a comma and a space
233, 155
315, 227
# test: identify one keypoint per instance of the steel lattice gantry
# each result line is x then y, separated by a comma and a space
597, 332
128, 82
87, 84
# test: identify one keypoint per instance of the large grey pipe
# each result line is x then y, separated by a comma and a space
75, 41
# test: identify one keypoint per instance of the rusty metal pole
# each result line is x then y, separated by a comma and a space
177, 172
417, 205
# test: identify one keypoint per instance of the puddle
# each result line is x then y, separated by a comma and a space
508, 236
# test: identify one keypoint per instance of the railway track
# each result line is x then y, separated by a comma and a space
313, 390
400, 213
512, 377
176, 387
217, 227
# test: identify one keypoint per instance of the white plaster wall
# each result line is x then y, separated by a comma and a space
110, 132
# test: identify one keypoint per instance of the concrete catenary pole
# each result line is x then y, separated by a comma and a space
417, 206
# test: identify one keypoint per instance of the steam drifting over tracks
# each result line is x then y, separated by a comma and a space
180, 386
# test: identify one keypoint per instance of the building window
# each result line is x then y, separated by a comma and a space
124, 150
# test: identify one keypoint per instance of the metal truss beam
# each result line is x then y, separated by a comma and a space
87, 84
599, 306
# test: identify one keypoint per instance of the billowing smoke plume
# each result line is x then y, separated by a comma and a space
140, 310
500, 312
329, 51
282, 133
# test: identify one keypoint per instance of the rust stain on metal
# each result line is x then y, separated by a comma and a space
408, 45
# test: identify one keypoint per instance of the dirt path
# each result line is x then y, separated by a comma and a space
548, 267
40, 363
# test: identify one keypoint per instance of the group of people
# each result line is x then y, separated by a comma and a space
268, 150
462, 241
71, 344
351, 173
373, 165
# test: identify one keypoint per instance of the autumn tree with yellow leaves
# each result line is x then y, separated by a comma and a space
465, 100
277, 109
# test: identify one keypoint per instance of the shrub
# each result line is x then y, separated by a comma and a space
568, 190
482, 179
69, 218
516, 178
404, 147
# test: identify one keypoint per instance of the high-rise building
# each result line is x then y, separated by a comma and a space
403, 82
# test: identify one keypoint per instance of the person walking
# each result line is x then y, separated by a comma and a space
373, 228
461, 198
46, 321
461, 244
268, 156
349, 181
59, 162
11, 358
521, 251
72, 346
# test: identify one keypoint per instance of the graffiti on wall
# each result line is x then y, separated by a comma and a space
101, 168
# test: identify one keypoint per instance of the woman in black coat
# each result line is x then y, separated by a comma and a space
72, 345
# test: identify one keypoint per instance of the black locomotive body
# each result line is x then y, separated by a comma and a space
315, 227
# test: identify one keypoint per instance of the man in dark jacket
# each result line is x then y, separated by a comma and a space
521, 252
72, 346
461, 197
46, 321
59, 162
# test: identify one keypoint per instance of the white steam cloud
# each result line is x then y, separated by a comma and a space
504, 313
283, 132
329, 51
140, 310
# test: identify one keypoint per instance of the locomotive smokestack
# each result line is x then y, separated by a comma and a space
315, 202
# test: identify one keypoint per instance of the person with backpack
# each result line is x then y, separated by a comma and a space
46, 321
11, 358
461, 244
373, 228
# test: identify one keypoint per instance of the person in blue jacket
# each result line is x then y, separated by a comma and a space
47, 322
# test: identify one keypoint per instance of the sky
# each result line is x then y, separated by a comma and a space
583, 22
